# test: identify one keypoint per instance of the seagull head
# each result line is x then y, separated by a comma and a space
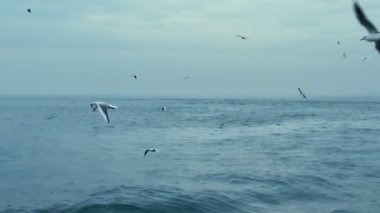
93, 106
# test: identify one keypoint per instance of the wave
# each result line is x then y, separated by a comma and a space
149, 200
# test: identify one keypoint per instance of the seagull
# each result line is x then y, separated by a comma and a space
242, 37
344, 55
374, 35
102, 109
303, 94
338, 42
29, 10
134, 76
363, 58
150, 150
163, 108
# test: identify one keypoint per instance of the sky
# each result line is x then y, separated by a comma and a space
92, 47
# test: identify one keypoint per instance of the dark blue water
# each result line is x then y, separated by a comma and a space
56, 155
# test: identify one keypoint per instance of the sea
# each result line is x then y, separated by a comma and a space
215, 155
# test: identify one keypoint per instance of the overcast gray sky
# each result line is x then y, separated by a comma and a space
93, 47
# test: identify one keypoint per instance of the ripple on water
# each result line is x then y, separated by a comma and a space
163, 199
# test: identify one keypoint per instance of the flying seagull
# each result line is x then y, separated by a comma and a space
134, 76
163, 108
363, 58
150, 150
344, 55
338, 42
242, 37
303, 94
374, 35
29, 10
102, 109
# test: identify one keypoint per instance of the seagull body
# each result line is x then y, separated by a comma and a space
103, 107
134, 76
29, 10
303, 94
374, 35
242, 37
150, 150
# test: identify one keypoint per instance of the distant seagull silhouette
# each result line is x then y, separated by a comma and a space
29, 10
242, 37
338, 42
150, 150
344, 55
103, 107
163, 108
303, 94
363, 58
374, 35
186, 78
134, 76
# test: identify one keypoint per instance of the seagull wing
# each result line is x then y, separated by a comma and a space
103, 112
378, 46
146, 152
363, 19
303, 95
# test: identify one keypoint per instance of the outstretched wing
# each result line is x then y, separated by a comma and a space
378, 46
303, 94
363, 19
103, 112
146, 152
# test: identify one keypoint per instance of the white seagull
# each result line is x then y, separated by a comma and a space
102, 109
374, 35
150, 150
